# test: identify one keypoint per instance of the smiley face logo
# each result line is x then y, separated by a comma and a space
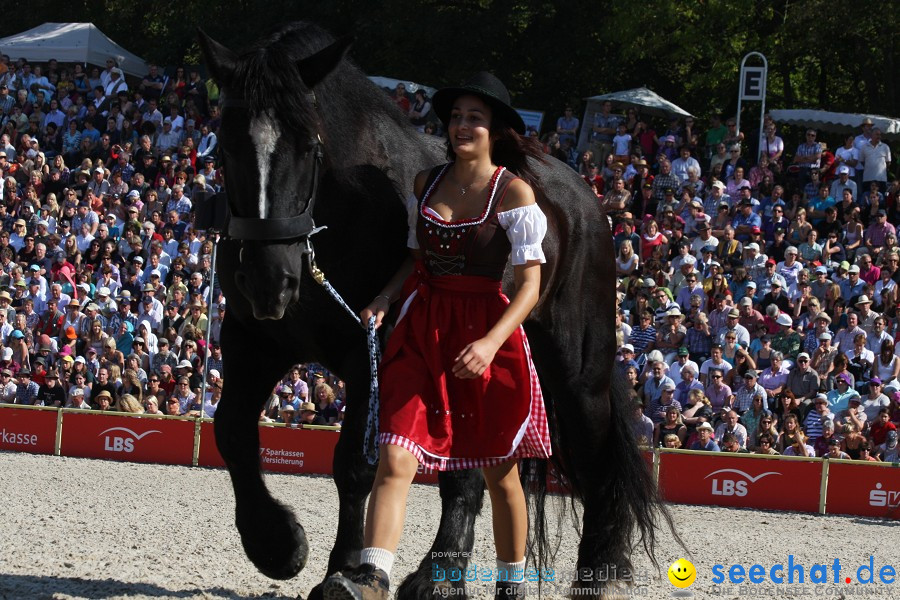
682, 573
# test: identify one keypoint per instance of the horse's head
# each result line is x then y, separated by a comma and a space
270, 141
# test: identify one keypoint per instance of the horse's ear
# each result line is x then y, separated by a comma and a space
313, 69
220, 60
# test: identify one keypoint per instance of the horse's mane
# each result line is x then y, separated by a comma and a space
267, 76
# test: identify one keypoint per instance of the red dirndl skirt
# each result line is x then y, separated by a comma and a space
446, 422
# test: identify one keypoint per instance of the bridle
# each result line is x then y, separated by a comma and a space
283, 229
303, 227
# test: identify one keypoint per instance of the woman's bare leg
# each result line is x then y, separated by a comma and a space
387, 504
509, 510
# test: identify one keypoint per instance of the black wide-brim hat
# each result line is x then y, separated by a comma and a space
488, 88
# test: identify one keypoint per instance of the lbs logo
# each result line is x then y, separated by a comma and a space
115, 443
884, 498
734, 487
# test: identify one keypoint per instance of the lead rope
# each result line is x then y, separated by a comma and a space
370, 445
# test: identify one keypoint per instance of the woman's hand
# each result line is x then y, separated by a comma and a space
378, 307
474, 359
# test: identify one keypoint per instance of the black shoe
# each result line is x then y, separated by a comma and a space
363, 583
508, 589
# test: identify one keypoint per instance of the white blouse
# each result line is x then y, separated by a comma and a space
525, 227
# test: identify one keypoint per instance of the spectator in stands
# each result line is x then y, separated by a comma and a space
879, 429
731, 426
642, 425
803, 381
705, 439
889, 450
875, 400
766, 445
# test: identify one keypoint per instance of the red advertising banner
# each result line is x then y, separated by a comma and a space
289, 450
863, 489
135, 439
28, 430
732, 480
295, 450
209, 453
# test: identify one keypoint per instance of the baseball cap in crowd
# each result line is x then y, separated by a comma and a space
825, 335
7, 354
822, 270
746, 301
785, 320
845, 378
751, 373
734, 313
843, 169
80, 359
668, 386
853, 269
751, 285
628, 347
184, 364
683, 351
753, 246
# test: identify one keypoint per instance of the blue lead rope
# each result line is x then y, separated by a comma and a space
370, 446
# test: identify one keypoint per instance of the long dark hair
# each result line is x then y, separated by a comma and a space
512, 150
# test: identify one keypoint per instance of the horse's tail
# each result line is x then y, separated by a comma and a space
632, 502
610, 479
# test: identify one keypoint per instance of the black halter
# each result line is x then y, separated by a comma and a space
284, 228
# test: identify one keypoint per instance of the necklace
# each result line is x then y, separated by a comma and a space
463, 189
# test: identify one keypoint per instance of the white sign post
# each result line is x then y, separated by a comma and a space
753, 88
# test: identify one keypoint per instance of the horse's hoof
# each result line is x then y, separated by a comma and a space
418, 587
316, 593
275, 542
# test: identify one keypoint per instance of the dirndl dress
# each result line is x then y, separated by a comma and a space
452, 299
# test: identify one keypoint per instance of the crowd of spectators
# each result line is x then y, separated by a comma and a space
757, 288
106, 299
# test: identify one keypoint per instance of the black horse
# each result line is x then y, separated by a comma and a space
299, 123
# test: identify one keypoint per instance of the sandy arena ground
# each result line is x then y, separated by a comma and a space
78, 528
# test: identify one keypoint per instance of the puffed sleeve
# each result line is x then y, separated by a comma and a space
525, 227
412, 211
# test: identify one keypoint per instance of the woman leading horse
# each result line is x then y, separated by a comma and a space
459, 390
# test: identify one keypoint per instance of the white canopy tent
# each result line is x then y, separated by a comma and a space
646, 100
836, 122
73, 43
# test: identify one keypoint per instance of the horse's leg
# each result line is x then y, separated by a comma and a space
353, 477
462, 493
272, 538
